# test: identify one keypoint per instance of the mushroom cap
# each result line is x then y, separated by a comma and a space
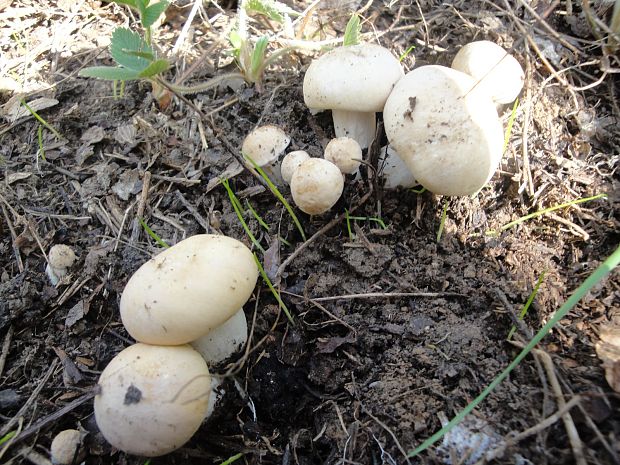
222, 342
152, 398
188, 290
65, 446
353, 78
265, 144
345, 153
316, 186
291, 162
498, 71
445, 128
61, 256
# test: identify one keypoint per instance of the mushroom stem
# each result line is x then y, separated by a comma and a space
356, 125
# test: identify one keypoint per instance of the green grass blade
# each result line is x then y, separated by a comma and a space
256, 215
379, 221
352, 31
41, 120
406, 53
7, 437
40, 141
238, 210
232, 459
511, 121
493, 232
419, 191
348, 219
279, 196
596, 277
273, 290
152, 233
442, 223
530, 299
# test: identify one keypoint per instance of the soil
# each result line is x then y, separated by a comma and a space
357, 379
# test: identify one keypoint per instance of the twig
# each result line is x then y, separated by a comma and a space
146, 184
197, 216
52, 417
525, 130
7, 427
186, 26
323, 309
5, 348
319, 233
381, 295
571, 429
18, 257
390, 432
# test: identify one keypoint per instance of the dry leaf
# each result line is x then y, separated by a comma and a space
14, 177
608, 350
14, 110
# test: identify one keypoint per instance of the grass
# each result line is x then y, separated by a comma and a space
278, 194
526, 307
45, 124
40, 142
596, 277
256, 215
419, 191
152, 233
511, 121
406, 53
238, 210
273, 290
496, 232
232, 459
442, 222
348, 219
7, 437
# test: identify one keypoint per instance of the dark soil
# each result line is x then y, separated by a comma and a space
356, 379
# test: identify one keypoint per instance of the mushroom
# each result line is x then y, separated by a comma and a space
188, 290
493, 68
445, 128
394, 171
263, 146
345, 153
59, 259
353, 82
152, 399
65, 448
222, 342
316, 186
291, 162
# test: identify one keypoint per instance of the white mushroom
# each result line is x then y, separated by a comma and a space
65, 448
291, 162
59, 259
493, 67
445, 128
188, 290
316, 186
394, 171
353, 82
152, 399
345, 153
222, 342
264, 145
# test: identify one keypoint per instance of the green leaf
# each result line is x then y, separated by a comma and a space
129, 3
152, 12
235, 39
110, 73
258, 57
352, 32
146, 55
265, 7
156, 67
125, 44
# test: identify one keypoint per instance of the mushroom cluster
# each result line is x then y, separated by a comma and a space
183, 308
